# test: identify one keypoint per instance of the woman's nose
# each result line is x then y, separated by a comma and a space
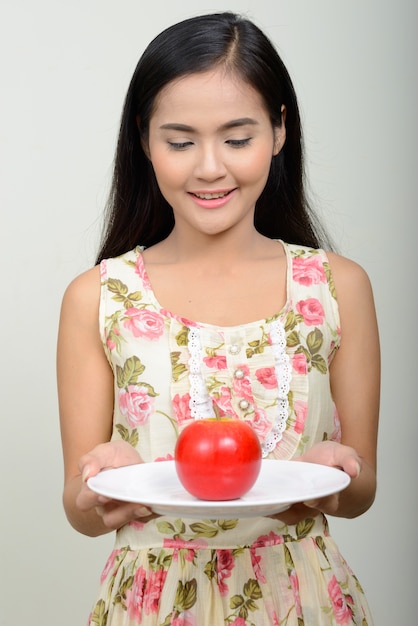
209, 164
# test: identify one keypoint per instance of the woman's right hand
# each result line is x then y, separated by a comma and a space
114, 513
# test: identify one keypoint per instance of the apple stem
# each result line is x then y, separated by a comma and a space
216, 410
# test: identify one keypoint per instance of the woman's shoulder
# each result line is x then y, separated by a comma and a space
352, 283
346, 269
83, 292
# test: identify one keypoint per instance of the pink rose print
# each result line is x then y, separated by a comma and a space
168, 457
188, 548
308, 271
272, 539
183, 544
294, 583
336, 434
239, 621
256, 563
110, 341
312, 311
143, 323
142, 273
267, 377
301, 411
299, 363
340, 603
242, 386
135, 596
155, 584
215, 362
223, 402
111, 344
103, 269
181, 407
137, 525
110, 564
224, 567
183, 320
136, 405
260, 423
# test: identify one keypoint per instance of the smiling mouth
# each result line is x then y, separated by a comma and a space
212, 196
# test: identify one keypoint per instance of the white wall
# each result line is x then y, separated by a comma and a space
64, 69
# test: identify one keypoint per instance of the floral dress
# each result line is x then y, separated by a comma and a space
272, 373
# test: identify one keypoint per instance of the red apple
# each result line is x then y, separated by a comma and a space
218, 459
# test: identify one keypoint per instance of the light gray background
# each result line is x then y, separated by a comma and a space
64, 71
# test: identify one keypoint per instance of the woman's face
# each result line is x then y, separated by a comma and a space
211, 142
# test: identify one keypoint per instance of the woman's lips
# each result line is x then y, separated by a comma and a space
212, 199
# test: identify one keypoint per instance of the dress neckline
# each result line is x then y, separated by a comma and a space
142, 271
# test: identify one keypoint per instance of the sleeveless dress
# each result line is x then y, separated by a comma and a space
272, 373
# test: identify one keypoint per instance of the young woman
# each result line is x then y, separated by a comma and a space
211, 254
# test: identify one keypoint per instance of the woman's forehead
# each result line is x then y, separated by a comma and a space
216, 92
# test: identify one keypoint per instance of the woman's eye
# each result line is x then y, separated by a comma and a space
238, 143
179, 145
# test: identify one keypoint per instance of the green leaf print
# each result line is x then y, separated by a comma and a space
243, 605
227, 524
292, 320
358, 586
129, 373
292, 339
117, 287
165, 528
124, 587
174, 529
182, 336
314, 341
202, 529
126, 435
304, 527
210, 568
120, 291
185, 595
288, 559
99, 615
177, 369
319, 363
302, 350
321, 544
257, 346
330, 280
135, 296
236, 602
252, 589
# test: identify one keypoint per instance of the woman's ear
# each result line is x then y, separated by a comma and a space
143, 138
280, 133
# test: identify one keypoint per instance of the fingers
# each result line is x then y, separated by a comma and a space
88, 499
107, 455
328, 505
336, 455
116, 514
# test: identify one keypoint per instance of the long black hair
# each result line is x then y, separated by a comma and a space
137, 212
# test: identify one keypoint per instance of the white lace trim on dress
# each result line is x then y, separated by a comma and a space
201, 404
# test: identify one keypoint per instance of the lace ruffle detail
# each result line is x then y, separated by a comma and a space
283, 375
201, 404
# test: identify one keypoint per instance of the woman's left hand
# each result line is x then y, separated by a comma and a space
336, 455
332, 454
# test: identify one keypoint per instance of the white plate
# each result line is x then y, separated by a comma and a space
279, 484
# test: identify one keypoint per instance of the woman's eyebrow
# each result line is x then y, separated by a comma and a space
242, 121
